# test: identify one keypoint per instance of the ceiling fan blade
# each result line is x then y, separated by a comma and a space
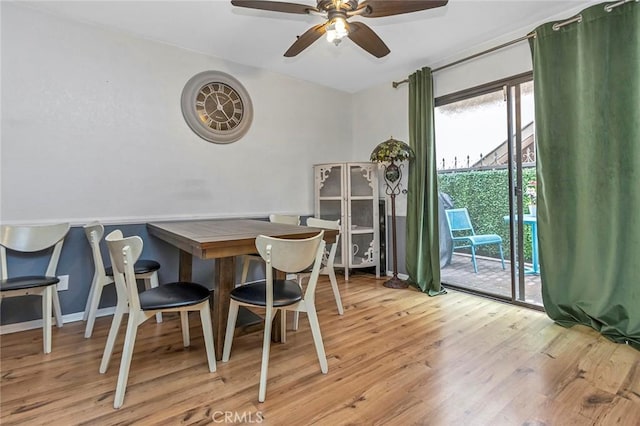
364, 37
379, 8
275, 6
306, 39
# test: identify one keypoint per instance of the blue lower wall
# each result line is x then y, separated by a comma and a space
76, 262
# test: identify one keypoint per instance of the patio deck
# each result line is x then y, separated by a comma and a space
491, 278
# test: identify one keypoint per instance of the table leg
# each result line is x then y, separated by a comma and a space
223, 284
185, 266
276, 333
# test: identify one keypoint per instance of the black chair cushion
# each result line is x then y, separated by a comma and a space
285, 293
32, 281
142, 266
173, 295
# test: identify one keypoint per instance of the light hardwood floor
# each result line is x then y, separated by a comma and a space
396, 357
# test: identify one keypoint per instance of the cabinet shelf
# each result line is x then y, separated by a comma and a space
362, 230
349, 192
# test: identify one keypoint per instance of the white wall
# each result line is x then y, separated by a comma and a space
92, 129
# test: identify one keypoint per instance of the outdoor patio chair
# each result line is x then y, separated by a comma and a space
464, 236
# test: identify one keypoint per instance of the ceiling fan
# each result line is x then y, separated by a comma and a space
336, 12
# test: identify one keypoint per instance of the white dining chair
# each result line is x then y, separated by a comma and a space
288, 256
145, 269
248, 258
328, 258
33, 239
182, 297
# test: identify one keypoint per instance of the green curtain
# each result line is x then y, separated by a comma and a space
423, 247
587, 94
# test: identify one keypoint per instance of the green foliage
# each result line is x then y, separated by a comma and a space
485, 194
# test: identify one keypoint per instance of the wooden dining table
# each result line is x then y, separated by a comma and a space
223, 240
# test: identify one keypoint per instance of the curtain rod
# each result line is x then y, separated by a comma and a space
395, 84
577, 18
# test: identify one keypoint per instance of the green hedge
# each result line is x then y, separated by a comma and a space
485, 194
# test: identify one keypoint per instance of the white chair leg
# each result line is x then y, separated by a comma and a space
125, 363
296, 320
184, 323
231, 326
56, 306
121, 308
245, 270
336, 291
92, 310
207, 334
317, 338
152, 282
92, 290
266, 346
46, 318
283, 326
296, 314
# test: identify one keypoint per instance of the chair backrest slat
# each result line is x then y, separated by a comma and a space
289, 256
32, 238
284, 219
3, 263
329, 257
292, 256
314, 222
29, 239
94, 232
124, 252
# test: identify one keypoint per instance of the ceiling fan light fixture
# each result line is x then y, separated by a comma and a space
337, 30
336, 13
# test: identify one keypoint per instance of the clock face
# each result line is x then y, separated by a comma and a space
216, 107
219, 106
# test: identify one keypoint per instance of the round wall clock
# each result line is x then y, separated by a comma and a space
217, 107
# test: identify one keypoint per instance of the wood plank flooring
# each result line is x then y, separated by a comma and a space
396, 357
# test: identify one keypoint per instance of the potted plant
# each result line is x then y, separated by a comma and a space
531, 192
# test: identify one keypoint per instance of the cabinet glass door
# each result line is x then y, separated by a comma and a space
330, 202
330, 184
362, 241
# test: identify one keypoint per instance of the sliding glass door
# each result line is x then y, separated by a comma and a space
523, 223
485, 143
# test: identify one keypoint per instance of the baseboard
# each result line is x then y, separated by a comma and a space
30, 325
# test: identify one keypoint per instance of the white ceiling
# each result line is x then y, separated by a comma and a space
259, 38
